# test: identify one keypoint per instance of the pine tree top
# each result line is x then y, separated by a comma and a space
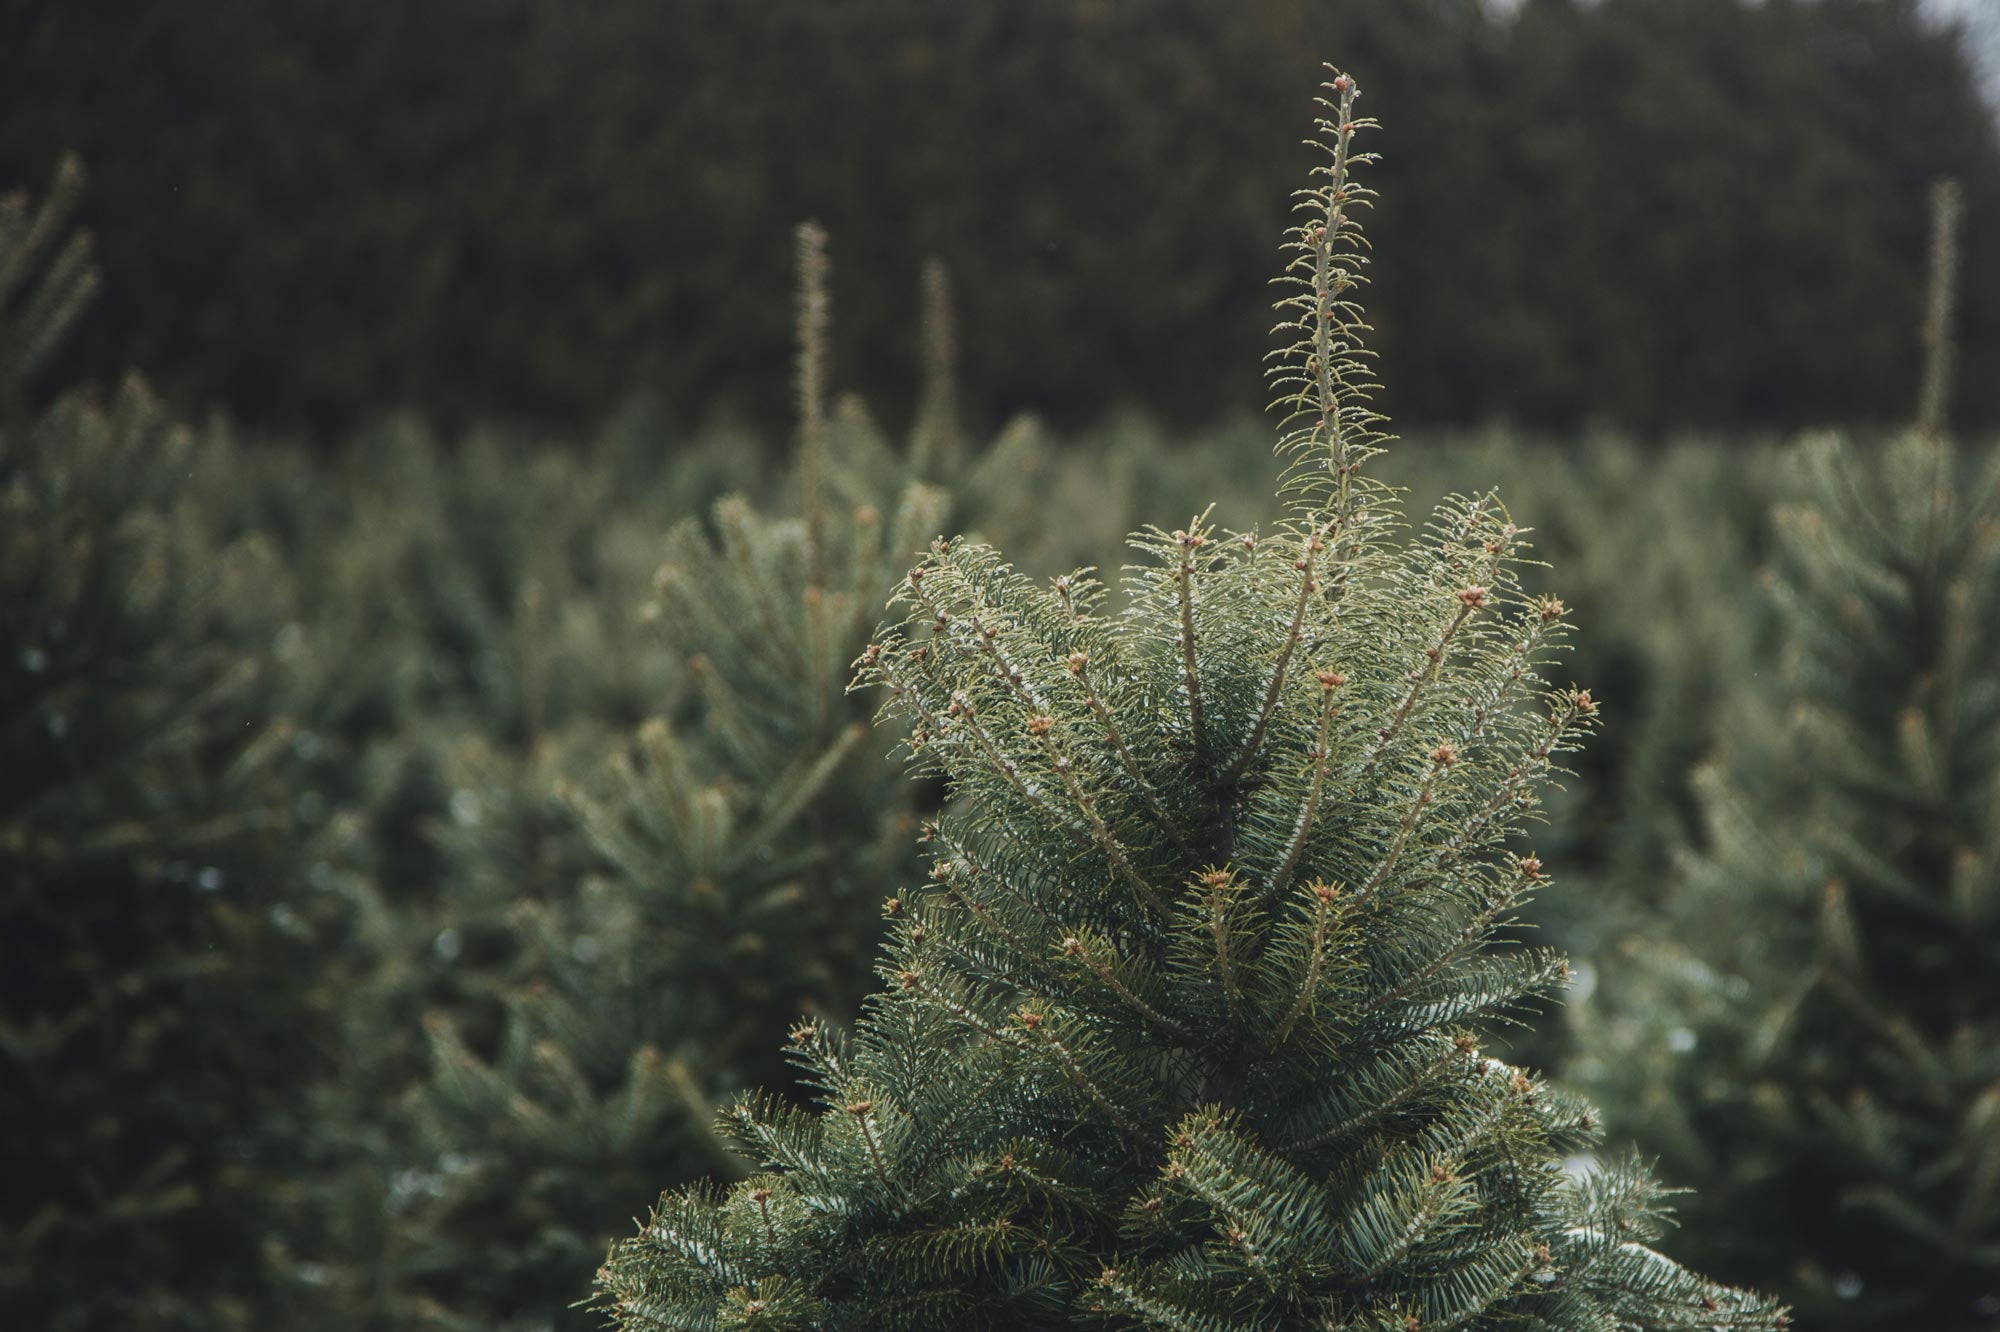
1184, 1030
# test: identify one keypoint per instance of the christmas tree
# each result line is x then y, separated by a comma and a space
1184, 1029
741, 837
1819, 1055
161, 1017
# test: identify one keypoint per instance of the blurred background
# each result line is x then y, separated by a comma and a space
314, 209
427, 784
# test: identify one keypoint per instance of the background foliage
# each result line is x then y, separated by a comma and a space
525, 207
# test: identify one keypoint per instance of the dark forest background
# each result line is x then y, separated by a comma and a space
1654, 213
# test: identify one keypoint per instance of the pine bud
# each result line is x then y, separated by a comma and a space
1521, 1084
1585, 704
1077, 661
1029, 1018
1440, 1175
1072, 946
1473, 597
1325, 892
872, 653
1445, 754
760, 1196
1040, 724
909, 979
1331, 680
892, 906
860, 1108
1531, 868
1342, 83
1465, 1044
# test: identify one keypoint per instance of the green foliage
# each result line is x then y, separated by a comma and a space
1182, 1032
523, 206
159, 1014
737, 849
1817, 1052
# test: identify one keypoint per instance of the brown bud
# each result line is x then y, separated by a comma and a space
892, 906
1215, 878
1440, 1175
760, 1196
1585, 704
1331, 680
1465, 1044
1473, 597
872, 654
909, 979
1531, 868
1325, 892
1542, 1255
1521, 1084
1445, 754
1039, 725
1551, 608
1029, 1018
1072, 946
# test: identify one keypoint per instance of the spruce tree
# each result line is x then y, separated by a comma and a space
1819, 1055
1183, 1030
740, 838
161, 1015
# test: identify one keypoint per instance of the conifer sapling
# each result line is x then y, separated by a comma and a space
1184, 1029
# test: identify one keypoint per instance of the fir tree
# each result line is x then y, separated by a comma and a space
741, 836
160, 1013
1183, 1031
1820, 1058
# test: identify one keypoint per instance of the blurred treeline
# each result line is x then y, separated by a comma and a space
1654, 213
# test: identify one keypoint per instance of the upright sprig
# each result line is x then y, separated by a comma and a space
1323, 379
814, 317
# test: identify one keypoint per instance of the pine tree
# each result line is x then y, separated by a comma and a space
1183, 1031
741, 839
160, 1012
1819, 1057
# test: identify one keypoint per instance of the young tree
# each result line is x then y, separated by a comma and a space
1183, 1031
1819, 1053
160, 1013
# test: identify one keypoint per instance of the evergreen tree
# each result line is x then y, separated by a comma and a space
1183, 1031
160, 1014
1820, 1058
741, 839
